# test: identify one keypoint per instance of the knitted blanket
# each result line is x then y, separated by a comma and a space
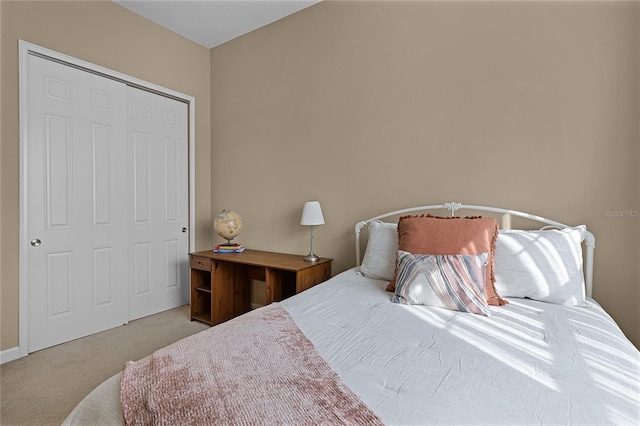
256, 369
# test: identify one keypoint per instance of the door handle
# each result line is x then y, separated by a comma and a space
184, 230
36, 242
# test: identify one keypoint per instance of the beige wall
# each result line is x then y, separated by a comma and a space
1, 239
108, 35
374, 106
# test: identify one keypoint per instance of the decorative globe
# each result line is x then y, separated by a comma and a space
228, 224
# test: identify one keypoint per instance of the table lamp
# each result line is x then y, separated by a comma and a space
312, 215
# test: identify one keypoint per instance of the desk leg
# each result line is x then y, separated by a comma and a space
230, 291
273, 282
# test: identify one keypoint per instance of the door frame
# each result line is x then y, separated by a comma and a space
25, 49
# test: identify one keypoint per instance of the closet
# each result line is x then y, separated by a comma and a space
105, 200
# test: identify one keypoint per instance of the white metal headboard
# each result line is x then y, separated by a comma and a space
589, 240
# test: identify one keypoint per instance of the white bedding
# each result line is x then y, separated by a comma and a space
530, 363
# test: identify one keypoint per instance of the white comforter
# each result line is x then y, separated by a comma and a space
530, 363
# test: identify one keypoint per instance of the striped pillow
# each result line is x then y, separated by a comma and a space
454, 282
451, 235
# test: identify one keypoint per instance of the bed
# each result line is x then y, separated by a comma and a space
348, 351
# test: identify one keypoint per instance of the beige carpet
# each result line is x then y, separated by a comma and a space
42, 388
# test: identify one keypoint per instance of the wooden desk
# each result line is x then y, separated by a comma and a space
221, 282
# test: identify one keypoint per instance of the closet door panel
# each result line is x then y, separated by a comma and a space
76, 214
159, 193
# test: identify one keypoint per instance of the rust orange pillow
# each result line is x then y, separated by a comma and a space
427, 234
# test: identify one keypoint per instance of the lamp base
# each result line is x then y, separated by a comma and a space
311, 257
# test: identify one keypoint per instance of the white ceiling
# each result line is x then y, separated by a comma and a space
213, 22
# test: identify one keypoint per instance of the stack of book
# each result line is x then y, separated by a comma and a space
228, 248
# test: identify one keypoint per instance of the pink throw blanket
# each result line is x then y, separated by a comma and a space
258, 368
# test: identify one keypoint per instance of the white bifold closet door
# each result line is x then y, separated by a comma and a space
107, 201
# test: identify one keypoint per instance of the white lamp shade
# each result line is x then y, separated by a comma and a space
312, 214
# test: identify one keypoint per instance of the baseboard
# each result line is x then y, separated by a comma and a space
256, 305
9, 355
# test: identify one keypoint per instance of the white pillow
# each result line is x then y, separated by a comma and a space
379, 260
541, 265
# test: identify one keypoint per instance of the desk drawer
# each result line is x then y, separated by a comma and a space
201, 263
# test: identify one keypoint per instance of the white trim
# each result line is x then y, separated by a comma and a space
589, 240
24, 49
192, 177
23, 291
9, 355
